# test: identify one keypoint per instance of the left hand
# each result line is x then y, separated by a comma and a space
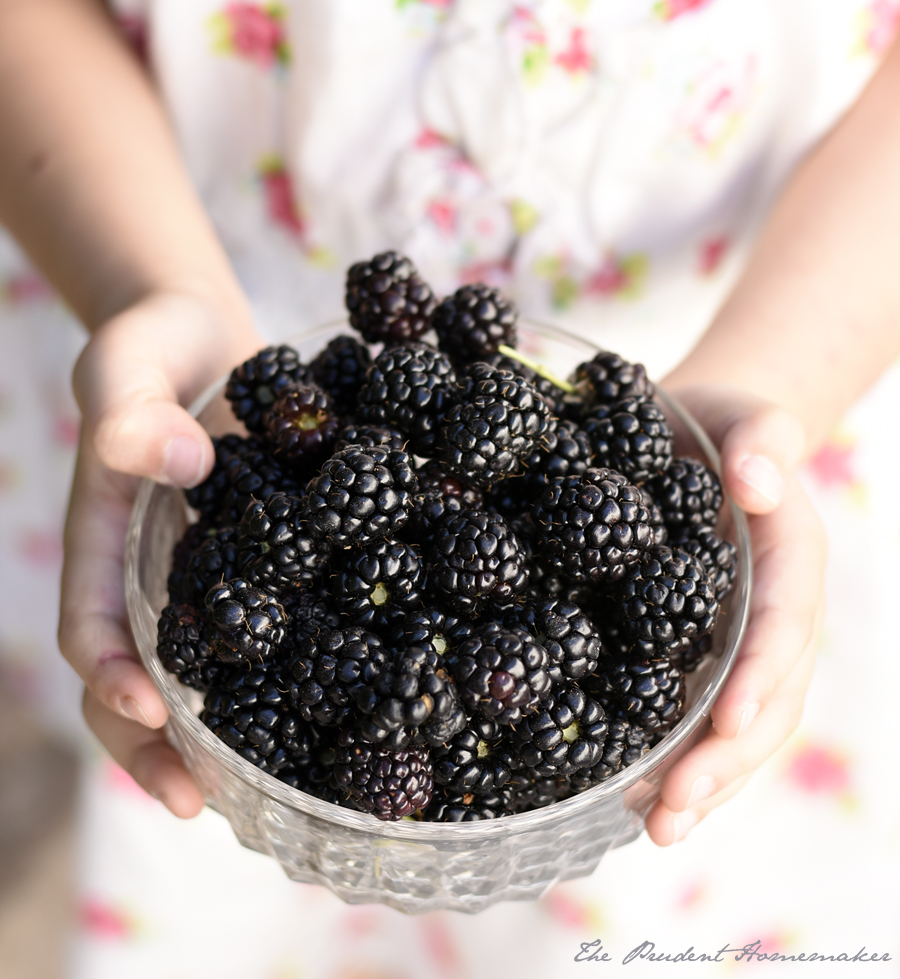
762, 700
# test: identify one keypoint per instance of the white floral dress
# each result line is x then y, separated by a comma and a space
606, 162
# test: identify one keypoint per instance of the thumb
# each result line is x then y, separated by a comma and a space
761, 444
129, 384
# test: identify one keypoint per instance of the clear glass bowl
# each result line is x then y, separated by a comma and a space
412, 866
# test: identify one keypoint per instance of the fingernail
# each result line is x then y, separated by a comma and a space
682, 824
183, 462
747, 715
761, 474
133, 710
701, 789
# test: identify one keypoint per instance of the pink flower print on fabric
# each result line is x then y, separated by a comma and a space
402, 4
618, 277
252, 31
879, 22
570, 908
716, 104
668, 10
104, 920
712, 252
529, 40
25, 287
833, 467
41, 548
576, 58
280, 200
822, 770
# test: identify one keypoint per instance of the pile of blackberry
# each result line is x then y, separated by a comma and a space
433, 583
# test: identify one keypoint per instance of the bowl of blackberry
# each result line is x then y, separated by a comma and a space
457, 592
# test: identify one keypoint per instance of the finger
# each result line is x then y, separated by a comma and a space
716, 761
761, 445
93, 631
146, 755
665, 827
789, 549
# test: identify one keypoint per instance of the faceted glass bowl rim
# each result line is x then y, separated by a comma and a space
444, 833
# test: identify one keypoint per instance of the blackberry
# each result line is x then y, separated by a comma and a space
565, 735
591, 527
209, 496
259, 382
630, 436
450, 806
561, 403
528, 791
475, 558
301, 428
566, 452
689, 495
408, 387
508, 498
473, 322
253, 712
308, 611
625, 744
658, 528
412, 699
389, 784
387, 299
194, 535
249, 621
253, 474
363, 494
368, 435
214, 561
439, 495
718, 556
667, 599
479, 759
608, 378
648, 691
688, 660
277, 551
501, 673
499, 422
562, 628
431, 628
327, 665
378, 584
185, 646
340, 370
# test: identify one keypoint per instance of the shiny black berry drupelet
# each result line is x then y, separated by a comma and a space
718, 556
499, 421
409, 387
689, 495
432, 627
473, 322
363, 494
260, 381
475, 558
368, 435
480, 759
340, 370
301, 428
630, 436
277, 551
249, 621
565, 734
253, 473
308, 610
451, 806
501, 673
626, 743
387, 299
591, 527
667, 599
439, 495
388, 784
566, 451
185, 646
209, 496
379, 584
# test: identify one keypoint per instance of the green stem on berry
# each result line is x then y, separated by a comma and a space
536, 367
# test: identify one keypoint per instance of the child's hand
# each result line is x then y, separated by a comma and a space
762, 700
130, 382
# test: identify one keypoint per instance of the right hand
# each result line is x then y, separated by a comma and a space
132, 382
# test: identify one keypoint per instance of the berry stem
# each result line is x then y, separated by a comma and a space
536, 367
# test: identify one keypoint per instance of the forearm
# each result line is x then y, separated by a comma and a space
91, 181
816, 316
